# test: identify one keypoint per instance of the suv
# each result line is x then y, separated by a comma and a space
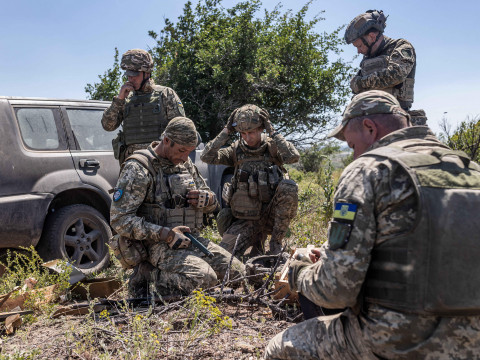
56, 172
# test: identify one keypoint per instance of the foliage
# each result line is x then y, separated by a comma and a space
313, 158
466, 137
218, 59
326, 182
27, 264
109, 85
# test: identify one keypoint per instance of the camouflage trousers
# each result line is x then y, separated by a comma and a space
275, 221
336, 337
183, 270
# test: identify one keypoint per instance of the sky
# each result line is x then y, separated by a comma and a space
54, 48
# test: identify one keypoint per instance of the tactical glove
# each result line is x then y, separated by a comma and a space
205, 198
230, 125
265, 117
175, 238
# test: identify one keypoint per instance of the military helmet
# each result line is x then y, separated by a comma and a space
372, 19
247, 118
137, 60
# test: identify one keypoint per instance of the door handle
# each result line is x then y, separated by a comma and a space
89, 163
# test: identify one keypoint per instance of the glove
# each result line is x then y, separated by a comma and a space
265, 117
175, 238
205, 198
294, 270
229, 125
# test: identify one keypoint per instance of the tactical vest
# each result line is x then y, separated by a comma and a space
254, 180
144, 117
433, 268
403, 91
170, 207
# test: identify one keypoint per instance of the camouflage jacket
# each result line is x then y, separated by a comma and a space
135, 186
113, 116
386, 200
215, 154
401, 64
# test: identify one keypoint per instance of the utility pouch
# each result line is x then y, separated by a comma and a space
227, 192
263, 187
128, 252
252, 187
119, 146
175, 217
243, 206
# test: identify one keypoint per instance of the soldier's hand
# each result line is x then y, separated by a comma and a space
314, 255
229, 125
200, 198
265, 117
176, 239
125, 90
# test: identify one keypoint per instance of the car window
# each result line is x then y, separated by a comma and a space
39, 129
87, 127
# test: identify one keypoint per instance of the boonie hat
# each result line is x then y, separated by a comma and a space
368, 103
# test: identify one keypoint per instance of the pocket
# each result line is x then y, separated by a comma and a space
245, 207
263, 187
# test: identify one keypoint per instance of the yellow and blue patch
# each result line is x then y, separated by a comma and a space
345, 211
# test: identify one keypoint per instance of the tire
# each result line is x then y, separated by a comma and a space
78, 233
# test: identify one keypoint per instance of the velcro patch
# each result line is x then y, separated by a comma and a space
179, 103
338, 234
117, 194
345, 211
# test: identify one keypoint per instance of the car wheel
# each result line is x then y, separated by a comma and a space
78, 233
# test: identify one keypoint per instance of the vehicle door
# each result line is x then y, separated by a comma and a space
36, 164
91, 146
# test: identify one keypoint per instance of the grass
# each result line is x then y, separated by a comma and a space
179, 333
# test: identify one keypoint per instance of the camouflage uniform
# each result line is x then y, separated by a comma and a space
279, 211
387, 208
171, 107
178, 270
400, 64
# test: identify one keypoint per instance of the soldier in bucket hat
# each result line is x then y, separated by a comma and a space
142, 107
262, 198
158, 197
402, 253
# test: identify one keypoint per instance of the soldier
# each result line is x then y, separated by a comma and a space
402, 252
159, 196
263, 199
143, 107
387, 65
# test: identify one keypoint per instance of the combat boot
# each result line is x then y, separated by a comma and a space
139, 282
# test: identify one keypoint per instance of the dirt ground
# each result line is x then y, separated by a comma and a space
146, 334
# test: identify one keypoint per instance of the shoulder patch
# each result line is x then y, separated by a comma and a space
345, 211
179, 103
406, 53
117, 195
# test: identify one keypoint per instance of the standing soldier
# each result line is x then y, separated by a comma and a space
387, 65
402, 251
159, 196
263, 199
143, 107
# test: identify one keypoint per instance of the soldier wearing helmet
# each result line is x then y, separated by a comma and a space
142, 107
401, 258
387, 65
262, 198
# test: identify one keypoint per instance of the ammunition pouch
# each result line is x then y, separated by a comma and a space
227, 192
128, 252
264, 193
119, 147
243, 205
189, 216
405, 92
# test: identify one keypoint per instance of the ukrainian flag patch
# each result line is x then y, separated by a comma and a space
344, 211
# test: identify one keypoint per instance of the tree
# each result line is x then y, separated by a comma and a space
466, 137
218, 59
110, 83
